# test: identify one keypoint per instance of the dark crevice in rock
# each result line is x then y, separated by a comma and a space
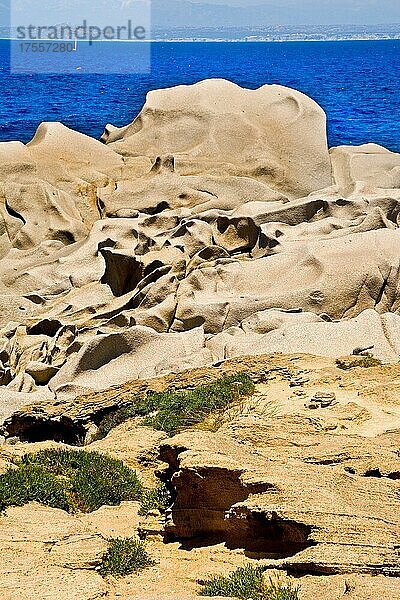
381, 291
378, 473
350, 470
122, 273
334, 460
65, 237
107, 243
155, 264
373, 473
47, 327
37, 428
154, 210
14, 213
342, 202
298, 569
38, 425
35, 298
207, 510
164, 164
170, 457
207, 192
313, 208
258, 536
100, 207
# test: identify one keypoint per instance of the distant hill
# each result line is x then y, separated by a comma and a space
168, 14
181, 13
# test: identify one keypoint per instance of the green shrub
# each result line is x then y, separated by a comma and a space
71, 480
244, 583
248, 582
96, 479
32, 483
276, 591
104, 481
125, 556
366, 362
173, 411
156, 499
114, 419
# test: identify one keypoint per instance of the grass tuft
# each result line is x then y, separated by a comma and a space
279, 591
366, 362
244, 583
125, 556
158, 498
248, 583
69, 479
114, 419
174, 411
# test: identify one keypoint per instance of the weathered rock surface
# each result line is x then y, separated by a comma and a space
271, 134
139, 351
313, 518
48, 554
215, 225
370, 163
311, 493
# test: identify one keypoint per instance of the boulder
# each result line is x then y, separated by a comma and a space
273, 134
370, 163
136, 353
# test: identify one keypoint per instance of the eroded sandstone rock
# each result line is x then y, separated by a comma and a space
311, 495
52, 554
216, 209
316, 517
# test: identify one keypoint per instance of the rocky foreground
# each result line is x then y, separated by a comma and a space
217, 225
301, 476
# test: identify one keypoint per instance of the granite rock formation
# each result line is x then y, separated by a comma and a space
217, 224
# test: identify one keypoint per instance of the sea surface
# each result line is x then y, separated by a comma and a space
356, 82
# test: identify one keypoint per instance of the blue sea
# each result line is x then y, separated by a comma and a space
356, 82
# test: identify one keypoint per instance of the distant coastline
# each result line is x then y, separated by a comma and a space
272, 41
276, 33
227, 40
280, 33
